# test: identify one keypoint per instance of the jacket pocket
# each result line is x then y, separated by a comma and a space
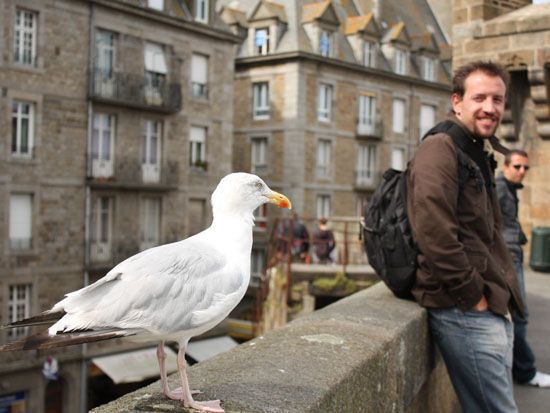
478, 260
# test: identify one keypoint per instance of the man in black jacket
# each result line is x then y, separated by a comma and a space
516, 165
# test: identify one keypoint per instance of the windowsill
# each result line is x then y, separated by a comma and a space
323, 120
37, 68
265, 117
198, 170
27, 252
22, 159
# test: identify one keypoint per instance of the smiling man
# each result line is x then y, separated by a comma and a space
466, 277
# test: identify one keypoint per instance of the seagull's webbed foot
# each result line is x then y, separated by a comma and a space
213, 406
177, 394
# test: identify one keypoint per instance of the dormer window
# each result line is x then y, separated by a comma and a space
156, 4
428, 69
325, 43
261, 41
369, 54
201, 11
400, 63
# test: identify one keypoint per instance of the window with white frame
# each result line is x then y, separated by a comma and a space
102, 228
400, 62
21, 221
369, 54
26, 23
323, 206
199, 75
324, 102
260, 218
149, 222
325, 43
258, 158
19, 307
197, 147
398, 115
105, 63
398, 158
427, 118
324, 152
151, 143
201, 11
257, 266
102, 151
260, 93
367, 113
428, 68
261, 40
155, 72
22, 129
156, 4
366, 164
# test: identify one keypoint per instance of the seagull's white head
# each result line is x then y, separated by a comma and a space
242, 193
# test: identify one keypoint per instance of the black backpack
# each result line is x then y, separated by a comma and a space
387, 233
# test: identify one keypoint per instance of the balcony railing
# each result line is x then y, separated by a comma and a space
371, 130
132, 173
367, 180
137, 91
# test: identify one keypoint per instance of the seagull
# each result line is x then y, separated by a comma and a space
167, 293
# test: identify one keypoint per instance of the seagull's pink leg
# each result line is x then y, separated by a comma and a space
176, 394
207, 406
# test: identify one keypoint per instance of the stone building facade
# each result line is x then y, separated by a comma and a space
517, 35
328, 94
118, 124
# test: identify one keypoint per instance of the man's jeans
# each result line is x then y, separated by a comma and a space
477, 349
523, 368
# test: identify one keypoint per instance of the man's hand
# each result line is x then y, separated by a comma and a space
482, 305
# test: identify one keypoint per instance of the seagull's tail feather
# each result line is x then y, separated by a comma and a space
45, 341
47, 317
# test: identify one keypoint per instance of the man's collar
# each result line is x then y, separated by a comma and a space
494, 142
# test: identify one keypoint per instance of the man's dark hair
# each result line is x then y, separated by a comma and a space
487, 67
508, 155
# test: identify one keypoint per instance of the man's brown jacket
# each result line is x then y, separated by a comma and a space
463, 255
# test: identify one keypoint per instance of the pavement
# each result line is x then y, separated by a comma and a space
533, 399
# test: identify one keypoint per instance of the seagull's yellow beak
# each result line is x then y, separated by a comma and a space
279, 199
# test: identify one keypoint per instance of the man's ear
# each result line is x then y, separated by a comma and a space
456, 101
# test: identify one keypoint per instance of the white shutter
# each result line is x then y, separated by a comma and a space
399, 115
199, 69
21, 219
398, 159
427, 118
154, 58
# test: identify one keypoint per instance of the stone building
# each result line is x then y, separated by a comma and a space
118, 124
516, 34
330, 93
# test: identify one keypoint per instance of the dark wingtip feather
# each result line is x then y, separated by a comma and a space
45, 341
44, 318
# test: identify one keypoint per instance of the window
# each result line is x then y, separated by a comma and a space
151, 151
398, 119
427, 119
197, 147
324, 102
369, 54
19, 307
22, 129
398, 159
257, 266
102, 145
101, 229
199, 75
325, 43
261, 41
21, 221
428, 69
155, 73
400, 62
323, 206
324, 149
150, 222
260, 216
25, 37
105, 63
201, 11
367, 113
261, 100
156, 4
366, 165
258, 158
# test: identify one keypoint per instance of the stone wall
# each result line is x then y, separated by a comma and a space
369, 352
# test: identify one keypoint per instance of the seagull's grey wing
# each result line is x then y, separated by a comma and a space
156, 290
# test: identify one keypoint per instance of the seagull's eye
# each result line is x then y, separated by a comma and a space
259, 185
